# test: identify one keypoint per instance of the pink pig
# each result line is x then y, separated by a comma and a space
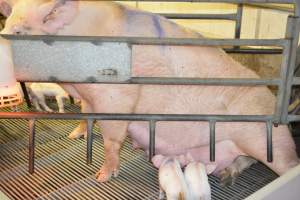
97, 18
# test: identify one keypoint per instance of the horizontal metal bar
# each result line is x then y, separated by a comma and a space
296, 81
217, 1
203, 81
183, 81
253, 51
199, 16
49, 39
293, 118
136, 117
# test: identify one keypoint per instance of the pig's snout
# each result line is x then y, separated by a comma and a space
15, 29
18, 30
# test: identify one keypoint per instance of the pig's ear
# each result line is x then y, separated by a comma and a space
5, 7
56, 14
210, 168
157, 160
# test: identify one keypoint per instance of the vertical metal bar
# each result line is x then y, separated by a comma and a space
269, 141
238, 22
292, 33
26, 96
282, 85
89, 152
31, 145
297, 8
212, 141
152, 139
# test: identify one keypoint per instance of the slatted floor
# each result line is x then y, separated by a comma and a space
62, 173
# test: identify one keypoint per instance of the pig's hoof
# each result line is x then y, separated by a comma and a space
105, 174
50, 110
227, 178
77, 134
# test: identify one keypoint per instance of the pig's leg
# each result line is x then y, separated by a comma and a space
42, 101
230, 173
81, 130
114, 133
36, 104
161, 195
60, 103
172, 196
284, 150
115, 99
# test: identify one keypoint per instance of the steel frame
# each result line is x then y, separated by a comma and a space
284, 83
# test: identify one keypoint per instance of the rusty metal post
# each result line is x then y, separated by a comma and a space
31, 145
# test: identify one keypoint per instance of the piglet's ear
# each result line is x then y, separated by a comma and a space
5, 8
56, 14
210, 168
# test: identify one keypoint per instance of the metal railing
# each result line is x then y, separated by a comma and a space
284, 82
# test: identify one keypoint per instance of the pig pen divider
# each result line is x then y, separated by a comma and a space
284, 83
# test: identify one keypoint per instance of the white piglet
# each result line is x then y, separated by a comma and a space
38, 91
195, 175
171, 180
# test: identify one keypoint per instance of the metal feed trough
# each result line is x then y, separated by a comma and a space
108, 60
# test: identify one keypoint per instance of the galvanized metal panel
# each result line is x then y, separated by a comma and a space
285, 187
69, 61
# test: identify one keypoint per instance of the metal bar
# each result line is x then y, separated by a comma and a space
297, 8
296, 81
293, 118
216, 1
269, 142
254, 51
199, 16
293, 33
89, 151
31, 145
188, 81
151, 40
238, 22
26, 96
281, 88
204, 81
152, 139
212, 141
136, 117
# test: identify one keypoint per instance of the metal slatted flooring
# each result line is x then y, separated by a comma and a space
61, 171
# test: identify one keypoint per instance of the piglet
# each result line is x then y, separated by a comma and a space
171, 179
38, 91
195, 175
